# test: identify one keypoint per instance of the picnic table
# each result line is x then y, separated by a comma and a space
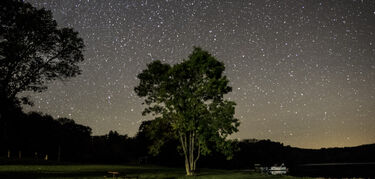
114, 174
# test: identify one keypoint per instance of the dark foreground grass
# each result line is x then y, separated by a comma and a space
101, 171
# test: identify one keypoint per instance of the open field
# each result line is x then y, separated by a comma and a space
101, 171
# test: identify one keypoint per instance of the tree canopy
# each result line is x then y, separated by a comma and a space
187, 100
34, 50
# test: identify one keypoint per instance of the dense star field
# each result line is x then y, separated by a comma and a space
302, 71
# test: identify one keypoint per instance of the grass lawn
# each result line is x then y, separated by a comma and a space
100, 171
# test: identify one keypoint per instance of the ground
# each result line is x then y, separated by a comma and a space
101, 171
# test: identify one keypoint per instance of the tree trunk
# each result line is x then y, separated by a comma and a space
189, 144
59, 153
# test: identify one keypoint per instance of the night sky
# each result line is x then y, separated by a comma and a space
302, 71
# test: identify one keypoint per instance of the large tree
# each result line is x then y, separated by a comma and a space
33, 50
187, 100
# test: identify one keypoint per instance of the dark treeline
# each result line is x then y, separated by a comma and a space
34, 136
41, 137
268, 153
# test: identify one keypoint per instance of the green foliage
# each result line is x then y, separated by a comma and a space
188, 102
33, 50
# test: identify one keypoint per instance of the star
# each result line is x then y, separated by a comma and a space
302, 71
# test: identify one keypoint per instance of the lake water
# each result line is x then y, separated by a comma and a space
335, 170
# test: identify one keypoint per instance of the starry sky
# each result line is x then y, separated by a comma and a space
302, 71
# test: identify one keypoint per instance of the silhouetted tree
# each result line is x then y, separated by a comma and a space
75, 140
188, 101
114, 148
33, 50
142, 139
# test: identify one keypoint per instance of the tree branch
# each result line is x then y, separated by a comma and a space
32, 74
